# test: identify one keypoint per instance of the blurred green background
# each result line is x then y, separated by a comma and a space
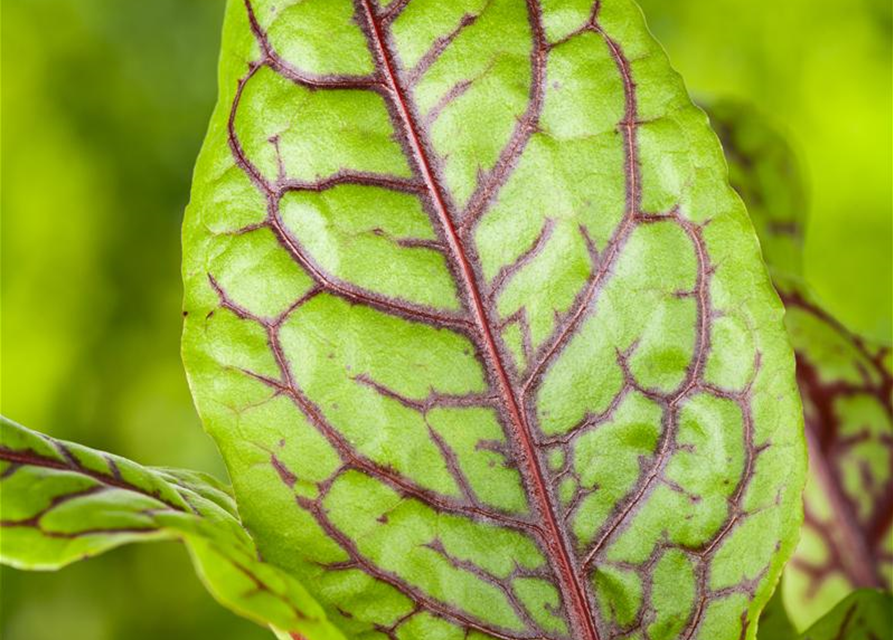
104, 104
820, 70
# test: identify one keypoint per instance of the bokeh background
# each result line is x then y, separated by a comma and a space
104, 104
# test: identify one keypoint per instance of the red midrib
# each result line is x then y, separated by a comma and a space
556, 544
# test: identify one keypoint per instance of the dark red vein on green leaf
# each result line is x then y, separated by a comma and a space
582, 304
506, 273
440, 45
357, 560
569, 581
860, 541
857, 559
391, 83
393, 11
33, 459
490, 182
669, 402
493, 580
350, 457
299, 76
333, 285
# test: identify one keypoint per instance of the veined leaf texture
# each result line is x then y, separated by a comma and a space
63, 502
480, 328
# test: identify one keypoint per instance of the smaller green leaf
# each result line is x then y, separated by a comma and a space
62, 502
866, 614
774, 621
764, 172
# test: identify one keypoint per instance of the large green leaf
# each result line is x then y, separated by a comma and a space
62, 502
480, 328
846, 383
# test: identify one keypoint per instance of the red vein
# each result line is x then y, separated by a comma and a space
393, 11
553, 346
569, 581
345, 176
349, 456
859, 541
440, 45
491, 182
358, 560
505, 274
858, 563
299, 76
330, 283
338, 287
30, 458
671, 402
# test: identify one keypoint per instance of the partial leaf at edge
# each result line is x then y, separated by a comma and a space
480, 328
62, 502
775, 624
866, 614
765, 172
846, 382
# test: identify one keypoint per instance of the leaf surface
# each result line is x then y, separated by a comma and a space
865, 614
480, 328
62, 502
775, 624
846, 384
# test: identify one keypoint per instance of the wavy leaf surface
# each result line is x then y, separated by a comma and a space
63, 502
481, 329
847, 388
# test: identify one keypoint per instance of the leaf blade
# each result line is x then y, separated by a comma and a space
864, 614
63, 503
320, 328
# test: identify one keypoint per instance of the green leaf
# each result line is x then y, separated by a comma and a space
63, 502
774, 621
480, 328
866, 614
847, 385
764, 171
